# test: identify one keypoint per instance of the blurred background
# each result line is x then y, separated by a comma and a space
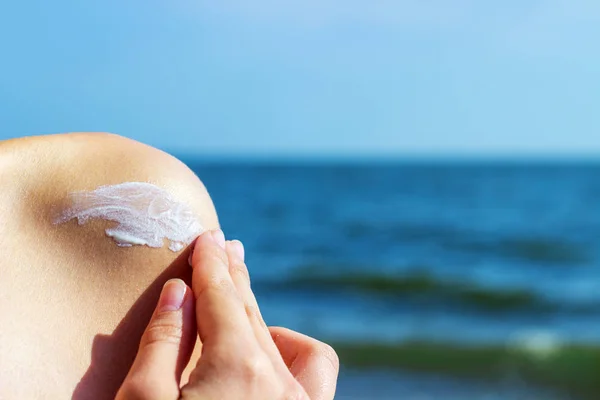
416, 182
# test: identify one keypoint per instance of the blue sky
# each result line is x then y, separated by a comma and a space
308, 76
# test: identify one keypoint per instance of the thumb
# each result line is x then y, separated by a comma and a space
165, 347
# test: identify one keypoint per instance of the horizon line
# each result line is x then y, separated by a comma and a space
387, 157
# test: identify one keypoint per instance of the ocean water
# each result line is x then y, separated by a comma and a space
432, 281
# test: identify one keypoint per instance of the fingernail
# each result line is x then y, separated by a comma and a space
172, 295
238, 248
219, 237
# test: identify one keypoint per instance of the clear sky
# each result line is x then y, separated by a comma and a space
307, 76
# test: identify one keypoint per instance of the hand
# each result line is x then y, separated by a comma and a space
241, 357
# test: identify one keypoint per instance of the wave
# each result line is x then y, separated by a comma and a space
542, 250
420, 285
573, 369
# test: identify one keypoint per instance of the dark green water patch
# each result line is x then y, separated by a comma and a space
571, 368
424, 285
419, 285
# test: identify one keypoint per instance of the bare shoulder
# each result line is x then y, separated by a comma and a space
69, 290
44, 168
38, 174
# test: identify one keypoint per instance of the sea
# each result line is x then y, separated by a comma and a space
451, 280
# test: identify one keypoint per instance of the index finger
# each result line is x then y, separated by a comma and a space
220, 312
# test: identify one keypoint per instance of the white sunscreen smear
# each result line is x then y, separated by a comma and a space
145, 214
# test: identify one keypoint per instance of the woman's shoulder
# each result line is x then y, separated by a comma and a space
44, 169
63, 285
39, 176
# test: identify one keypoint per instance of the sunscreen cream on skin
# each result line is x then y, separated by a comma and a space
144, 214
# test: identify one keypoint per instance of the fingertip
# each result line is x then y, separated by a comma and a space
172, 295
207, 238
237, 249
219, 237
210, 264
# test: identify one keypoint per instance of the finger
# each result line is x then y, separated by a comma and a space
220, 314
165, 347
314, 364
241, 279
